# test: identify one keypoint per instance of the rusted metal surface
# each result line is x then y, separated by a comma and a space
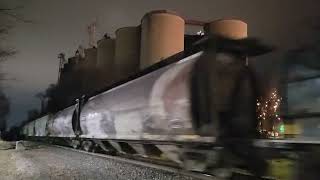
155, 49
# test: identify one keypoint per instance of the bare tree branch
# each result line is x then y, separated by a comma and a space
6, 53
15, 16
11, 9
3, 30
5, 26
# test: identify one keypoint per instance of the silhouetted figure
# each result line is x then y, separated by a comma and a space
224, 98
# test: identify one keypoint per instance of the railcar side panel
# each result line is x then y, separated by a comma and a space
153, 107
60, 125
41, 125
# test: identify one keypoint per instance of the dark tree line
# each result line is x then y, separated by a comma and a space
5, 52
4, 111
8, 18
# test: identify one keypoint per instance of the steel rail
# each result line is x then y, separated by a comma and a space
146, 164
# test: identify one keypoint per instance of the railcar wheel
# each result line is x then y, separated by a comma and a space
105, 147
76, 144
87, 146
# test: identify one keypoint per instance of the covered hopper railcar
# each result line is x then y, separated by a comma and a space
155, 114
155, 106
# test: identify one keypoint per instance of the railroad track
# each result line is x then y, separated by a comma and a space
151, 163
162, 165
169, 166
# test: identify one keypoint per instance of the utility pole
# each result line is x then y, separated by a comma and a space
92, 34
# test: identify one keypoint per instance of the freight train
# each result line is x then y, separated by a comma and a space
190, 98
188, 101
177, 109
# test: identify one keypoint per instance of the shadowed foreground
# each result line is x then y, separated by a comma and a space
44, 162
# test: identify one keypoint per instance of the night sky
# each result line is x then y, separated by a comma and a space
60, 26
